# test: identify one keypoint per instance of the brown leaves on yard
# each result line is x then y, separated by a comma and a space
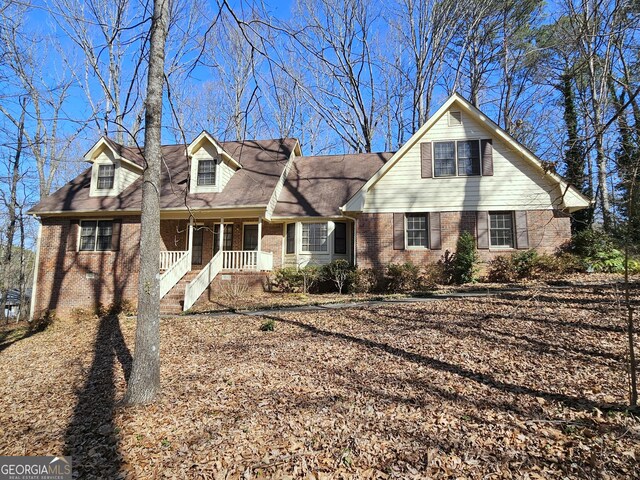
527, 384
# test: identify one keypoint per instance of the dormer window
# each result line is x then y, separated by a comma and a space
106, 175
206, 172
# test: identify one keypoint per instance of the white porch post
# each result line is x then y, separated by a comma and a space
259, 234
190, 246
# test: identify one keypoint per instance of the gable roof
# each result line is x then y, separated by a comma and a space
251, 186
571, 196
320, 185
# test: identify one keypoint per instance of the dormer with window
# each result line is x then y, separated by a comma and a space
211, 166
111, 174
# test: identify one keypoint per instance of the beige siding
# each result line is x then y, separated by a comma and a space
276, 192
225, 173
515, 185
127, 177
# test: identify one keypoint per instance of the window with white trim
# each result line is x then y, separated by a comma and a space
206, 172
291, 238
416, 230
106, 176
468, 158
444, 159
95, 235
501, 229
314, 237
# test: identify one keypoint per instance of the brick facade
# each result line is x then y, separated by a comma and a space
548, 229
68, 279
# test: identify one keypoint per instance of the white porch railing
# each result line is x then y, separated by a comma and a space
174, 273
169, 258
200, 283
247, 260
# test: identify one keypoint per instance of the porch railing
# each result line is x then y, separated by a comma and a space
200, 283
169, 258
240, 260
174, 273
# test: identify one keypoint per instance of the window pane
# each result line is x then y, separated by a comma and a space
105, 176
468, 158
444, 159
340, 238
416, 230
291, 238
103, 238
501, 225
314, 237
206, 172
88, 235
227, 237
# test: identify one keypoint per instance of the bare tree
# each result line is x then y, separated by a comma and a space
144, 382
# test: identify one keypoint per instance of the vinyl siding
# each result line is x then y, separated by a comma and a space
515, 184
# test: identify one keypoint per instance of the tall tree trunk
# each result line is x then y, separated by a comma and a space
11, 211
144, 383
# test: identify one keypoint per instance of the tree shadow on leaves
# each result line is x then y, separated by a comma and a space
91, 437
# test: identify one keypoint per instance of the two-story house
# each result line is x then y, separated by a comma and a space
257, 205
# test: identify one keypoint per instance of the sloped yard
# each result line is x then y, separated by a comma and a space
527, 384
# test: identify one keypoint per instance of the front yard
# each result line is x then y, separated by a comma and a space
526, 384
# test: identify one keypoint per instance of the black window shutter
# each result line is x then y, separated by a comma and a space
398, 231
435, 236
72, 235
115, 235
487, 157
522, 232
425, 160
482, 228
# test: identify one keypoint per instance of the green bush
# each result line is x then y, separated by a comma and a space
590, 243
268, 326
606, 261
466, 259
310, 276
363, 280
287, 280
562, 263
401, 278
524, 263
339, 272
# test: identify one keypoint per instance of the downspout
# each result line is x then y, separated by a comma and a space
36, 268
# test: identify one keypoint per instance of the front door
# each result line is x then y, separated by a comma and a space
196, 252
250, 237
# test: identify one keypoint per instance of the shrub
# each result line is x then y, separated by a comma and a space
446, 266
363, 280
268, 326
124, 306
465, 260
338, 272
524, 263
287, 279
589, 243
606, 261
402, 278
42, 322
502, 269
310, 275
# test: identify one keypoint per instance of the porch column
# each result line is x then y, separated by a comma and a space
259, 234
190, 245
221, 236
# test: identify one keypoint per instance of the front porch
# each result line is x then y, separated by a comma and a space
211, 246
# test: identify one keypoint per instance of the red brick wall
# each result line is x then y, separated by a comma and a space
174, 234
547, 231
70, 279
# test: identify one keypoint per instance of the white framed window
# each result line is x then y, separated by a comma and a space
206, 172
468, 158
95, 235
106, 176
501, 229
459, 158
444, 159
314, 237
416, 230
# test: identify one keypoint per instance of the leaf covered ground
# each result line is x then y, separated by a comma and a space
526, 384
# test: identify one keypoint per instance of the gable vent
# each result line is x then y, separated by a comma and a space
455, 119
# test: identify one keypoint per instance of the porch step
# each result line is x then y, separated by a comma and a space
172, 302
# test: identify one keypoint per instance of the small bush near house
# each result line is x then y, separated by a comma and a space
465, 260
310, 276
339, 272
562, 263
524, 263
363, 280
287, 280
43, 322
597, 251
123, 306
401, 278
502, 270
